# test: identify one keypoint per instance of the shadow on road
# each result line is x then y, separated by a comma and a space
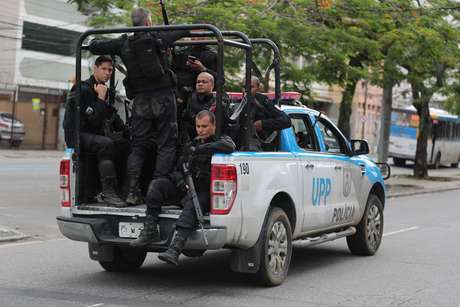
212, 271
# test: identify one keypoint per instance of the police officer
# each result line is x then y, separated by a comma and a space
150, 82
266, 117
189, 63
98, 123
201, 99
199, 153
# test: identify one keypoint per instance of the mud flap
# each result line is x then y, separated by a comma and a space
100, 252
247, 260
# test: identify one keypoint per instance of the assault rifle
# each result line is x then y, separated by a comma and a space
191, 191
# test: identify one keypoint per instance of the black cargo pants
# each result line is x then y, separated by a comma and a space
154, 122
163, 189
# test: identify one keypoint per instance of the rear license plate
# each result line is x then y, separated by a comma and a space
129, 230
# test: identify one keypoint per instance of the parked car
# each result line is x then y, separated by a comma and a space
15, 138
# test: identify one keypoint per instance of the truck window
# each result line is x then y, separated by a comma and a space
333, 141
303, 133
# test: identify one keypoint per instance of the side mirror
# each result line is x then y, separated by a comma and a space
385, 170
359, 147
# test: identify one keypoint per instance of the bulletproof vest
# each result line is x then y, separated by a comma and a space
201, 166
143, 55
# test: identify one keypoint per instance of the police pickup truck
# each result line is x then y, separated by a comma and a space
316, 187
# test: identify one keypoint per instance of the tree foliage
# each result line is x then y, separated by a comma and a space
338, 43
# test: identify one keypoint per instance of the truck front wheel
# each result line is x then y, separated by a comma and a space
124, 260
276, 249
369, 231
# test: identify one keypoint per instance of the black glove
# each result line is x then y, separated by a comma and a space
189, 150
178, 179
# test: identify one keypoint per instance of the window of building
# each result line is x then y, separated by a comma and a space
38, 37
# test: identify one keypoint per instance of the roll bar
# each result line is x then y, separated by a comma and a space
244, 44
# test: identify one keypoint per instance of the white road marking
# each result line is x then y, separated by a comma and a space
96, 305
400, 231
30, 243
20, 244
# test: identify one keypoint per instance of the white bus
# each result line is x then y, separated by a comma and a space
443, 139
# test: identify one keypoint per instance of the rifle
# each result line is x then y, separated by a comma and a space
164, 13
196, 203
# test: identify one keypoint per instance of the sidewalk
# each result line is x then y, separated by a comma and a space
406, 185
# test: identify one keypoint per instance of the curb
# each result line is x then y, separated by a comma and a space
8, 235
425, 191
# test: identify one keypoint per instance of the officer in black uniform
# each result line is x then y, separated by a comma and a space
150, 82
189, 62
199, 154
266, 118
201, 99
100, 127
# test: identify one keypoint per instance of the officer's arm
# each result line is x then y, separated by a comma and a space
169, 37
278, 119
113, 46
223, 145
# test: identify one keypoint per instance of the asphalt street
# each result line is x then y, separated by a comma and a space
417, 264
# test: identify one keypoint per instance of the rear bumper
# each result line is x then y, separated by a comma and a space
101, 231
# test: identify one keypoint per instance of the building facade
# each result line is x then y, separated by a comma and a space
37, 47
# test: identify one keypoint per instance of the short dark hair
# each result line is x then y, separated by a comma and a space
202, 114
139, 15
102, 59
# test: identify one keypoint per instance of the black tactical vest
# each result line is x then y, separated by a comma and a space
144, 57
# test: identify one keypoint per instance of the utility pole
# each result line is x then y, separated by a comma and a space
13, 114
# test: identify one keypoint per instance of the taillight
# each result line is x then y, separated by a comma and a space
223, 188
64, 179
2, 125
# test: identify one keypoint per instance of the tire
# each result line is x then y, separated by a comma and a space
124, 260
399, 162
193, 253
276, 249
369, 231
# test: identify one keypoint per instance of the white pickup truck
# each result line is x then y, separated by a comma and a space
316, 187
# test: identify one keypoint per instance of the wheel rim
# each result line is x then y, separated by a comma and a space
277, 248
374, 226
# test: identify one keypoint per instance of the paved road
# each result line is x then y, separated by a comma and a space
29, 192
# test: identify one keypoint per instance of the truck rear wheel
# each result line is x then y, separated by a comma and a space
124, 260
276, 249
368, 236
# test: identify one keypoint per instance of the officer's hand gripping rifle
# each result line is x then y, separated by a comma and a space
192, 194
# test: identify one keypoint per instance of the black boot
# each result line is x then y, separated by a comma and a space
171, 256
109, 184
149, 234
134, 197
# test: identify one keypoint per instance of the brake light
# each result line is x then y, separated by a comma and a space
2, 125
223, 188
64, 178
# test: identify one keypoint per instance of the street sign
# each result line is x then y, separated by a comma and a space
35, 104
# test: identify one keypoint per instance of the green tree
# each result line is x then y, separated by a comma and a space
432, 54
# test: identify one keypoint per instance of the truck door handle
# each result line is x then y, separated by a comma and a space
309, 165
338, 168
363, 169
